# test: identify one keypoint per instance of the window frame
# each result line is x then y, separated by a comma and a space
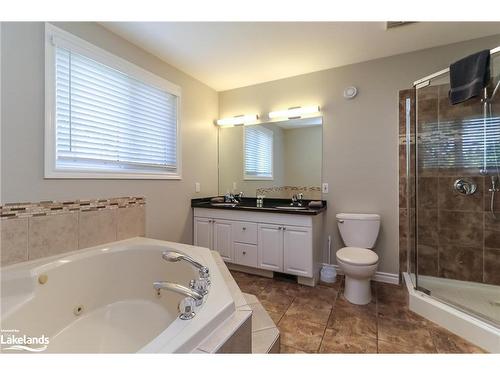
252, 177
80, 46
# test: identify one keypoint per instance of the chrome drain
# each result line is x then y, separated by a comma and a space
78, 310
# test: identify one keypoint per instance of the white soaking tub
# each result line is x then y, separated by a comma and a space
102, 300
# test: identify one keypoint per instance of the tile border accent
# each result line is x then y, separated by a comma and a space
45, 208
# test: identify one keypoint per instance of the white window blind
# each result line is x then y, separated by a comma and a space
258, 152
107, 118
466, 143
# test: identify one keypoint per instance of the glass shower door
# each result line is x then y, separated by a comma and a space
457, 238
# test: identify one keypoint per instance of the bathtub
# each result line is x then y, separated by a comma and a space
102, 300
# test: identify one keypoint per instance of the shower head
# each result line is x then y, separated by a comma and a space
172, 256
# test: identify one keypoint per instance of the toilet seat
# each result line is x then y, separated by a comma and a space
357, 256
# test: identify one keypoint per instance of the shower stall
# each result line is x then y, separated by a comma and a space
450, 196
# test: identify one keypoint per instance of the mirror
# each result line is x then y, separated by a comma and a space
275, 159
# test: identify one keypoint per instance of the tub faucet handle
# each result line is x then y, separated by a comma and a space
186, 308
200, 285
174, 256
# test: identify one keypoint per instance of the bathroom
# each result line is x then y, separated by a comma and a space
282, 202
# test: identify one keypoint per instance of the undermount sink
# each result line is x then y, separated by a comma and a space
294, 208
224, 204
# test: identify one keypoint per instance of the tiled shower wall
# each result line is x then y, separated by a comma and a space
457, 236
36, 230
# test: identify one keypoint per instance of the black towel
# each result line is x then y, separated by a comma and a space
469, 76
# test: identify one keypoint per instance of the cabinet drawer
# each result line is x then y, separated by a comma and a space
245, 232
245, 254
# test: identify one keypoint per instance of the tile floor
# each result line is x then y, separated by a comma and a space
320, 320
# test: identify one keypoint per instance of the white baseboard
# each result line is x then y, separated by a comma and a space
382, 277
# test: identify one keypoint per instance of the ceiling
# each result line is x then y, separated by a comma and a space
227, 55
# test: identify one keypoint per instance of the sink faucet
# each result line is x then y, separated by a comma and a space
174, 256
231, 198
186, 306
297, 200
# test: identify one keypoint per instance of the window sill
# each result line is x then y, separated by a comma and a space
110, 176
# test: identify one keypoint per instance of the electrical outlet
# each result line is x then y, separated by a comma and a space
324, 188
197, 187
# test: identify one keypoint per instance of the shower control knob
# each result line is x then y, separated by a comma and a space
465, 187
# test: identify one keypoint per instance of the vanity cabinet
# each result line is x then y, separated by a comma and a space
214, 234
270, 255
271, 242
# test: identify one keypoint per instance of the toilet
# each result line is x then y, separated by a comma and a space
358, 262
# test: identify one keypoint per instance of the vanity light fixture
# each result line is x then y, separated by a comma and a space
237, 120
294, 112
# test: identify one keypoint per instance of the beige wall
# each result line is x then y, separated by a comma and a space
303, 156
231, 161
168, 202
360, 136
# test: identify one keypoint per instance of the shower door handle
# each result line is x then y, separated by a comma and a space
465, 187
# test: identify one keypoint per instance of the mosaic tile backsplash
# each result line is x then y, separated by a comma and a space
36, 230
286, 192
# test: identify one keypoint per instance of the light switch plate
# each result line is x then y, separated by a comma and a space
324, 188
197, 187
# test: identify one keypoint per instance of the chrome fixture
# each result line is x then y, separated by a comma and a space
494, 189
174, 256
235, 199
186, 307
297, 200
465, 187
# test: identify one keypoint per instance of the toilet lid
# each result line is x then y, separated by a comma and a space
357, 256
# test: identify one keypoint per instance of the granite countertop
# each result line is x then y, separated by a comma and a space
250, 204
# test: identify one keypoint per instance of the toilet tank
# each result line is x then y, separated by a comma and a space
359, 230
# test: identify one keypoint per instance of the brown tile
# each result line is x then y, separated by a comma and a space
289, 350
96, 227
321, 294
131, 222
336, 341
450, 199
274, 300
314, 310
301, 334
405, 333
461, 228
275, 316
491, 266
427, 227
355, 319
461, 263
391, 348
491, 231
427, 260
447, 342
427, 192
403, 193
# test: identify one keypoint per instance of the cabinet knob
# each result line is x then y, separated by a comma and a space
244, 253
284, 228
244, 228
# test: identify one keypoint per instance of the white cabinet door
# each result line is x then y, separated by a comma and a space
297, 251
223, 242
203, 232
270, 247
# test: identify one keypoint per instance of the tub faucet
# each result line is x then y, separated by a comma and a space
186, 306
174, 256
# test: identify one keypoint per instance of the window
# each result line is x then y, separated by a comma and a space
460, 143
258, 153
106, 118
